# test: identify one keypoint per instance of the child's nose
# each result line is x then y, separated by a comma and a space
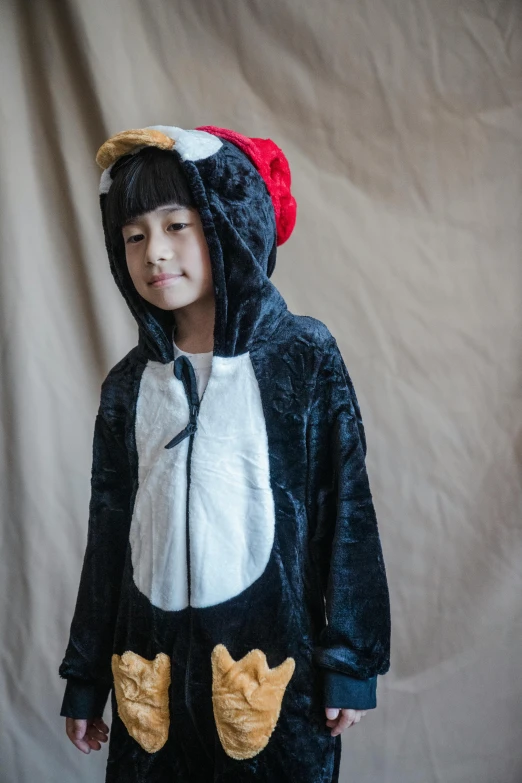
158, 249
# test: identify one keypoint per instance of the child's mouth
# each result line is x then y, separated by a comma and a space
165, 280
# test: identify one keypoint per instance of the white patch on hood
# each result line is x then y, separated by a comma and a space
190, 144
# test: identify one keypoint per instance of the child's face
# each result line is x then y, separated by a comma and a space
168, 258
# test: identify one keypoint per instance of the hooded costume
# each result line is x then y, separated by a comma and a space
233, 583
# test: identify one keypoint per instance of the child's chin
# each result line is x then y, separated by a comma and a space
170, 302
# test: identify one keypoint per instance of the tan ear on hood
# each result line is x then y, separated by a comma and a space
126, 141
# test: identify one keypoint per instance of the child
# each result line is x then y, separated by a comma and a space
233, 587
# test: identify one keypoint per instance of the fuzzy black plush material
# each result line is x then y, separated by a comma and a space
322, 598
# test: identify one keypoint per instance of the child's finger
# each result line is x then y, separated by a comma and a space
100, 724
332, 713
345, 720
82, 745
75, 730
96, 734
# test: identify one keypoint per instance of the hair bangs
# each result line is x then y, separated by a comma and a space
142, 182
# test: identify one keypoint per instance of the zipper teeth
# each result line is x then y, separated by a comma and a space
191, 393
187, 667
187, 530
187, 548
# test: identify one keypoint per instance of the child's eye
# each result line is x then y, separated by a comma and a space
132, 240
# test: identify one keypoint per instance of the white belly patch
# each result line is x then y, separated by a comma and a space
231, 506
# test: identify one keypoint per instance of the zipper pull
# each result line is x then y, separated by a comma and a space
189, 430
184, 371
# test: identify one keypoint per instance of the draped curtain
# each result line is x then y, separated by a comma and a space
402, 122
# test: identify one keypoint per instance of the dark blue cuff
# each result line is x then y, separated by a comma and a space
342, 691
83, 699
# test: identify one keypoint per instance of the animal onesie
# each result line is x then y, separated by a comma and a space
233, 583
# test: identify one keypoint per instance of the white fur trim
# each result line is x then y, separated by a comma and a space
105, 180
231, 506
191, 145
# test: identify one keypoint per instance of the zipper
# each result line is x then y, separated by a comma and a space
184, 371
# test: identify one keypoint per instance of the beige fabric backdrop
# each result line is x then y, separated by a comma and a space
402, 121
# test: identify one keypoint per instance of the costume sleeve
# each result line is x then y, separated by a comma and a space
87, 661
353, 647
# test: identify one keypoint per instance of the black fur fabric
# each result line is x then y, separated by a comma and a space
323, 598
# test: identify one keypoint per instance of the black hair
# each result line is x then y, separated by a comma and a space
144, 181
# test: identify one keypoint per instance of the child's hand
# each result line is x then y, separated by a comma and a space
86, 734
339, 720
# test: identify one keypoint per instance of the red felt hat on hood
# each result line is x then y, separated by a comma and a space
271, 162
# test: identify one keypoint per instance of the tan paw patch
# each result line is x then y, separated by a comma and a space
126, 141
142, 694
246, 697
